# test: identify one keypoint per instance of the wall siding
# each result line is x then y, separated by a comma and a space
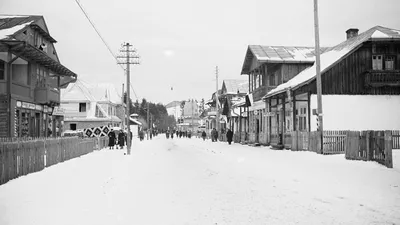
347, 76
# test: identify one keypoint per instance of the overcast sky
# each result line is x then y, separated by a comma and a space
181, 41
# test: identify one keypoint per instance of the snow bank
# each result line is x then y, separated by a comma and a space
190, 181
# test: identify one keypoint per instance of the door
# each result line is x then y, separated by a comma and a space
257, 130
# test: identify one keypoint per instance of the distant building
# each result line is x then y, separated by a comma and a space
87, 106
31, 77
174, 109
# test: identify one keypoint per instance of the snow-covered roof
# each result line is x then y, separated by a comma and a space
77, 91
7, 32
82, 91
334, 54
105, 93
173, 104
235, 86
278, 54
11, 24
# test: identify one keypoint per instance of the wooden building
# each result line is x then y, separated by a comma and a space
360, 87
31, 77
268, 67
90, 105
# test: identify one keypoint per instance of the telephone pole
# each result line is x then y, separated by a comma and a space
217, 100
123, 121
318, 68
129, 58
148, 120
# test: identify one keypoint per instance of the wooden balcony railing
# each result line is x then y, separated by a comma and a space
382, 78
261, 92
47, 95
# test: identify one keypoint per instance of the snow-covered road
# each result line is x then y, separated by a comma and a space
189, 181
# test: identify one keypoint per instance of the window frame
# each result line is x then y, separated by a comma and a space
82, 107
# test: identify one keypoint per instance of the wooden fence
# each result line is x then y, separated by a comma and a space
18, 158
370, 146
396, 139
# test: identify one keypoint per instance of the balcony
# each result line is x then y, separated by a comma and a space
47, 95
382, 78
261, 92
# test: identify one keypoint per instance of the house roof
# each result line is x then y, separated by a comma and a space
11, 26
335, 54
78, 91
173, 104
235, 86
105, 93
278, 54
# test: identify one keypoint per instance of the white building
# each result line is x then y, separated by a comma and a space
89, 106
174, 109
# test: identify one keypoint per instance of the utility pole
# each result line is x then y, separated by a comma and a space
192, 117
123, 108
217, 100
148, 120
130, 55
318, 68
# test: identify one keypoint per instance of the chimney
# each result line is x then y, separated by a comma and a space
352, 32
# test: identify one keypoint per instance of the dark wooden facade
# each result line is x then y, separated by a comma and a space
355, 75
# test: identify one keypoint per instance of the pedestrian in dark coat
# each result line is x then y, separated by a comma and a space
204, 135
111, 139
229, 136
121, 139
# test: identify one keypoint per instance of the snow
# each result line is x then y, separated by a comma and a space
4, 33
358, 112
190, 181
327, 59
379, 34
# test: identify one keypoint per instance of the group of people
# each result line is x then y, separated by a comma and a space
214, 135
117, 138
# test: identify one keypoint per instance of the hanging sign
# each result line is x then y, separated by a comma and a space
58, 111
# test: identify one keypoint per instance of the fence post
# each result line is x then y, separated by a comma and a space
368, 139
388, 149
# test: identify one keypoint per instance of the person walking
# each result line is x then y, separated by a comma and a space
111, 139
203, 135
229, 136
121, 139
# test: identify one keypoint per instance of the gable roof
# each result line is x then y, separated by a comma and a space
173, 104
77, 91
235, 86
105, 93
278, 54
335, 54
10, 25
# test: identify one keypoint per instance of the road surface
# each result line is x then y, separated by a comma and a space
190, 181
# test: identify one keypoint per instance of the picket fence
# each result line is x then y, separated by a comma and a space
20, 157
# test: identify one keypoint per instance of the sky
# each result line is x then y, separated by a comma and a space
181, 42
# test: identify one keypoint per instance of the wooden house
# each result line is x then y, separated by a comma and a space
233, 92
90, 105
31, 77
268, 67
360, 86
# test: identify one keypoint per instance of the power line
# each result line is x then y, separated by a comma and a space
102, 39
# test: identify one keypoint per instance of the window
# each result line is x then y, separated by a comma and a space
2, 70
20, 73
389, 63
72, 126
82, 107
377, 62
